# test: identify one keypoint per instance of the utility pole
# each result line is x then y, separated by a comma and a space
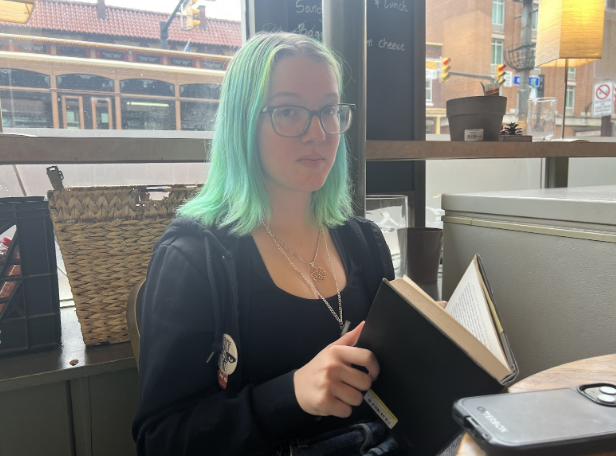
164, 26
526, 46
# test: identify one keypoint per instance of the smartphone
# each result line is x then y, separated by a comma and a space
558, 422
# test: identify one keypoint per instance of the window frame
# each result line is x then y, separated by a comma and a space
498, 5
429, 89
570, 101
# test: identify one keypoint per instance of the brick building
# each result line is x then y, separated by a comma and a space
475, 34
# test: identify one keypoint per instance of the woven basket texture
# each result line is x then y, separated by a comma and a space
106, 236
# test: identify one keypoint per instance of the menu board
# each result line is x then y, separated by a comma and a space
390, 70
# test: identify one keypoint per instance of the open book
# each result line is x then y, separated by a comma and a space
430, 356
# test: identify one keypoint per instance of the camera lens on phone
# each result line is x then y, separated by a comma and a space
607, 399
608, 390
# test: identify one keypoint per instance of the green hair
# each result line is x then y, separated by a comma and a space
234, 194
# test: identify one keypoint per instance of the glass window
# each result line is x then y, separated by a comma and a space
610, 4
84, 82
428, 90
497, 52
148, 114
535, 17
206, 91
70, 51
26, 109
498, 12
572, 74
197, 116
147, 87
570, 99
22, 78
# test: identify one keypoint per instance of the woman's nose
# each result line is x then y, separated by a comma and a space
315, 132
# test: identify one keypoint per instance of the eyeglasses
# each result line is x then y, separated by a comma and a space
293, 121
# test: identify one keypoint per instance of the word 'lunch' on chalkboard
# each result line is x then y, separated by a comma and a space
390, 44
390, 70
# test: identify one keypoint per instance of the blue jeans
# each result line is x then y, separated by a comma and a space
372, 439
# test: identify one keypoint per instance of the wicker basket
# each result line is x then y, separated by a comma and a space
106, 236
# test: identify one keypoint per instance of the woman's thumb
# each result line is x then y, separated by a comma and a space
350, 338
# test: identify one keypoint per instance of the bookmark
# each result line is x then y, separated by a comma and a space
345, 328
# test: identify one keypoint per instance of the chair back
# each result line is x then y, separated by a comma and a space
133, 317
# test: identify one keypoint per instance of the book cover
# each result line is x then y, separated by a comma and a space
423, 372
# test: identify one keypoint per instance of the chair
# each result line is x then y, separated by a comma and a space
133, 317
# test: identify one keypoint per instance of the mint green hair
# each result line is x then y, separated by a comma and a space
234, 194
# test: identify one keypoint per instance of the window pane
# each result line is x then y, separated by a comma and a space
148, 114
206, 91
84, 82
147, 87
10, 77
25, 109
197, 116
498, 12
88, 50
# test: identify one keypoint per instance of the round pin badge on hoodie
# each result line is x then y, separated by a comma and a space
227, 361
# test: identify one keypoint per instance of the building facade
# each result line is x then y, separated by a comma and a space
88, 66
476, 35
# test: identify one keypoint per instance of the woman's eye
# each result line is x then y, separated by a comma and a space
329, 111
287, 112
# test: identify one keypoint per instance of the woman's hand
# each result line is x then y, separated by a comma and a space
443, 304
328, 385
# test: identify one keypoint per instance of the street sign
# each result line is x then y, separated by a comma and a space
508, 79
533, 81
431, 74
603, 99
431, 64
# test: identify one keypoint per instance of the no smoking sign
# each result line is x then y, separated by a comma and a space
603, 99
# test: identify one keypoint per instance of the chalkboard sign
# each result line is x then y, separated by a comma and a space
305, 17
390, 45
390, 70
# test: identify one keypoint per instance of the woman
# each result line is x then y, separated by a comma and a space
255, 294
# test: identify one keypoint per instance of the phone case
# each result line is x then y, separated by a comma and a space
561, 422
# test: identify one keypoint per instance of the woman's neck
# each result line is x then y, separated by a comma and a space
289, 213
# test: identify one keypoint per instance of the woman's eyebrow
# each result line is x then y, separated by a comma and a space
285, 94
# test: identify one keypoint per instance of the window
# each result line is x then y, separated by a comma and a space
197, 116
206, 91
570, 99
610, 4
147, 87
428, 90
148, 114
84, 82
21, 78
497, 53
498, 12
535, 18
26, 109
572, 74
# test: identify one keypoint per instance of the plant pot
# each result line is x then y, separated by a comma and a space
467, 116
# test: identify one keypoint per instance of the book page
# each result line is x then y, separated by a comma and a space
469, 307
438, 316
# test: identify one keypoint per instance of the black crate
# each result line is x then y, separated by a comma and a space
30, 315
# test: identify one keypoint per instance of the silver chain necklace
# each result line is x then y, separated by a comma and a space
344, 325
317, 273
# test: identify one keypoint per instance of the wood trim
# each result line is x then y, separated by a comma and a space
81, 116
445, 150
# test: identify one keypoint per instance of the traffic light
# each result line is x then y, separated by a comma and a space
189, 15
445, 62
500, 74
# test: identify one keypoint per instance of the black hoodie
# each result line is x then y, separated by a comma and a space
191, 300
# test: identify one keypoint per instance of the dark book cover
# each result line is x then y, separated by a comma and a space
423, 372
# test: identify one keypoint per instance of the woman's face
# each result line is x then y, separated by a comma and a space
299, 164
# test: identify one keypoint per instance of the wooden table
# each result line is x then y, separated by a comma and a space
591, 370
